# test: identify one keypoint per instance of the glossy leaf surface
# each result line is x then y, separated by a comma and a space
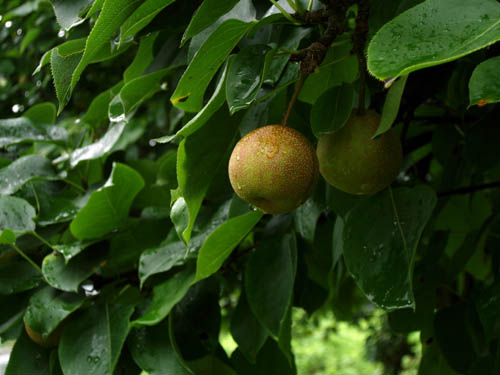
382, 233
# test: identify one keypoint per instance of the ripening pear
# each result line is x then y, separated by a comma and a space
274, 168
351, 161
51, 341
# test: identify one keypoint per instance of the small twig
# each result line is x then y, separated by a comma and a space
469, 189
296, 92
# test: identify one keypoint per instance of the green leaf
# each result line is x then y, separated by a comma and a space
99, 148
22, 130
338, 67
162, 258
432, 33
16, 214
62, 70
69, 276
92, 341
188, 95
153, 351
55, 209
208, 12
23, 170
70, 250
391, 106
454, 333
108, 207
487, 305
13, 307
18, 276
211, 365
165, 296
380, 237
245, 76
48, 307
195, 322
246, 329
306, 217
199, 156
484, 84
113, 14
136, 91
7, 237
143, 58
289, 39
221, 242
97, 112
274, 263
43, 113
270, 360
332, 110
25, 348
68, 12
126, 247
143, 15
29, 38
214, 103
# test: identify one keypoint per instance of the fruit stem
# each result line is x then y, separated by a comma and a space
296, 92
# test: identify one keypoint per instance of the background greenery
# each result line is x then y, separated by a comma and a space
119, 225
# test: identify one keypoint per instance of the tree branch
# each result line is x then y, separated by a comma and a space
469, 189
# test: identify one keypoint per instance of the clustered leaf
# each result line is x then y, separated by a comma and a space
119, 229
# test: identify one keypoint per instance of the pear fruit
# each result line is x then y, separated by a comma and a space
274, 168
51, 341
351, 161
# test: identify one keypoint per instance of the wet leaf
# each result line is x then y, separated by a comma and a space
188, 95
92, 341
16, 214
381, 233
18, 276
68, 12
108, 207
221, 242
48, 307
99, 148
23, 170
484, 84
332, 110
69, 276
432, 33
273, 262
165, 296
143, 15
25, 348
153, 351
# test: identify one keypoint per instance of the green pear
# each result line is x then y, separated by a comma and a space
351, 161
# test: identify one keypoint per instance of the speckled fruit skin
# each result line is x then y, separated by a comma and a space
352, 161
274, 168
49, 342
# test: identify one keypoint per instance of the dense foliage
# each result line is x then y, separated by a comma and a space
120, 230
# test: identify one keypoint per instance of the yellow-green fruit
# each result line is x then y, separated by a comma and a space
352, 161
274, 168
49, 342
